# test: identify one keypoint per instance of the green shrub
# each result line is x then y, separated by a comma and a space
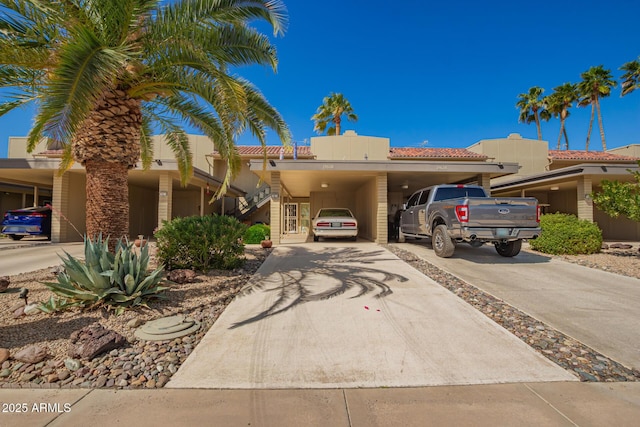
201, 243
119, 280
564, 234
256, 233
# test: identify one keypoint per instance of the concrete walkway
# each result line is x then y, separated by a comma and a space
523, 404
598, 308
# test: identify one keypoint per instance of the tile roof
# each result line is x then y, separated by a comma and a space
272, 151
433, 153
590, 156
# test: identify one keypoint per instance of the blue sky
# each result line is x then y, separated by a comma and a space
445, 72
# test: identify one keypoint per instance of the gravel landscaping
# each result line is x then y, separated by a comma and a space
150, 364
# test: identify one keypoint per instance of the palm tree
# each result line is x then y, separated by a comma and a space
631, 77
331, 110
104, 73
530, 105
596, 84
558, 104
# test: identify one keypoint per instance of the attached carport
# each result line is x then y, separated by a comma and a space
371, 189
568, 190
154, 195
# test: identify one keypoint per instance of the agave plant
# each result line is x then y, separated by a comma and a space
119, 280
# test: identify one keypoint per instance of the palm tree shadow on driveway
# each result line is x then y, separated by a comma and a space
306, 276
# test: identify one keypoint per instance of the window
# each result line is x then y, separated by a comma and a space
413, 200
446, 193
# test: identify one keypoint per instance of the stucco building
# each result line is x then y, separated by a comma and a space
284, 187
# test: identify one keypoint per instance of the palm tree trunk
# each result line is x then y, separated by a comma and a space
537, 117
560, 134
107, 187
566, 138
337, 120
586, 145
604, 141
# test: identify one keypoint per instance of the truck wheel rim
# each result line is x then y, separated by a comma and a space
439, 242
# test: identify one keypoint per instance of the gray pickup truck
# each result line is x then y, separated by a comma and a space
450, 214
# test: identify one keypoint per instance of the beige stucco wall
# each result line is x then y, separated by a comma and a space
143, 211
365, 211
350, 146
200, 146
530, 154
18, 148
632, 150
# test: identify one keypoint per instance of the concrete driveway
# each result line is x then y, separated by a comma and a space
31, 255
598, 308
330, 315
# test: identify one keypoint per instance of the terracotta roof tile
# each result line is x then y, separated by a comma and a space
591, 156
433, 153
272, 151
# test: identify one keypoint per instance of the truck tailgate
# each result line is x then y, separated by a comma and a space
502, 212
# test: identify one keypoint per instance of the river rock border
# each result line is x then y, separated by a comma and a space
572, 355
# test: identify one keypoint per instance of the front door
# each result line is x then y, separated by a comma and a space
290, 218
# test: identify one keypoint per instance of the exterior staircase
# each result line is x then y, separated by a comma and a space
251, 203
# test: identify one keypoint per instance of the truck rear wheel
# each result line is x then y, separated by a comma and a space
509, 249
442, 244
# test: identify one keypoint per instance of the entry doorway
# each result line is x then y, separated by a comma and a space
290, 218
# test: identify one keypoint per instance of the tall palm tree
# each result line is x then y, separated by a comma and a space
558, 104
596, 84
530, 105
104, 73
331, 111
631, 77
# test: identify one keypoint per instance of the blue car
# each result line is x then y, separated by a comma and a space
34, 221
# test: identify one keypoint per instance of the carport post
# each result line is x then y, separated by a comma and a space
165, 198
484, 180
585, 205
275, 207
60, 200
382, 220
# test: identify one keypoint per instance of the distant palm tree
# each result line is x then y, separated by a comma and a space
558, 104
531, 105
631, 77
596, 84
104, 73
331, 111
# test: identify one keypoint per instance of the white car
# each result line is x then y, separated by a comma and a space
335, 223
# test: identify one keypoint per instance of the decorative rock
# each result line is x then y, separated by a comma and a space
93, 340
604, 246
27, 377
32, 354
72, 364
101, 381
4, 354
4, 283
57, 270
5, 373
18, 312
31, 309
51, 378
181, 276
134, 323
620, 246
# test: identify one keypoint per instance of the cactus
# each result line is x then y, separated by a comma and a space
118, 281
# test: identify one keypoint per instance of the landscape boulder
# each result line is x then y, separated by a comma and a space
4, 355
4, 283
92, 340
32, 354
182, 276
